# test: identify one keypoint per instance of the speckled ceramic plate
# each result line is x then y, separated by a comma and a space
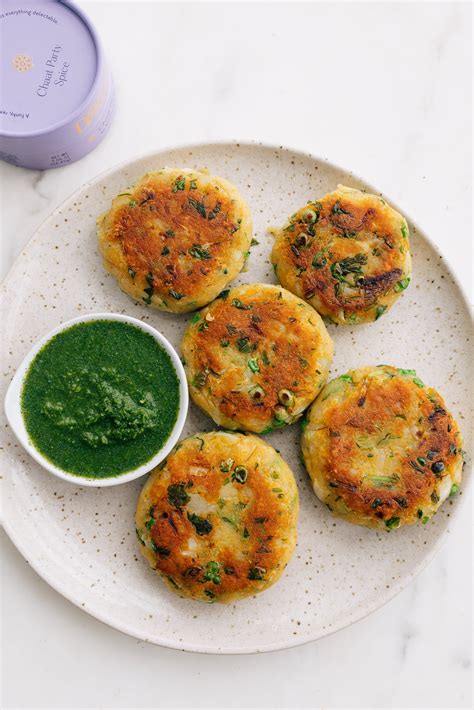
82, 540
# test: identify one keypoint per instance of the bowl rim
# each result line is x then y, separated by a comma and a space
13, 410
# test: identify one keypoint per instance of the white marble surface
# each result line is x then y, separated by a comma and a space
383, 89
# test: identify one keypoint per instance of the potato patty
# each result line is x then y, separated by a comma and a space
381, 448
256, 357
347, 255
176, 238
217, 520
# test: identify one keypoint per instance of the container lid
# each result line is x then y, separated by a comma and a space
48, 64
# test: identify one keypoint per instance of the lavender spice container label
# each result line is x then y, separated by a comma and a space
56, 91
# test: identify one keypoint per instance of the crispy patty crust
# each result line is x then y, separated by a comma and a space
176, 238
347, 254
217, 520
256, 357
381, 448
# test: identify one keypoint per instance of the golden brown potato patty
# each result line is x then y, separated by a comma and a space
382, 450
256, 357
218, 519
176, 238
347, 254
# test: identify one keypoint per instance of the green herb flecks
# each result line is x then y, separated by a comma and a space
346, 378
385, 440
363, 442
178, 296
179, 184
416, 466
200, 253
350, 265
253, 364
149, 293
200, 379
243, 344
161, 551
212, 572
177, 496
236, 227
276, 422
379, 311
149, 523
401, 285
383, 481
213, 213
149, 290
198, 206
201, 525
229, 521
237, 303
337, 209
319, 260
201, 442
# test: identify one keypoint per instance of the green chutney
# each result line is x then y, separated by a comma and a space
100, 398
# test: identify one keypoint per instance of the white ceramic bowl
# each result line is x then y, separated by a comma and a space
16, 421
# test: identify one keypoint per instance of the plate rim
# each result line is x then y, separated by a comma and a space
288, 643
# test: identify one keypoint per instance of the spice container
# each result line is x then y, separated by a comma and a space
56, 91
